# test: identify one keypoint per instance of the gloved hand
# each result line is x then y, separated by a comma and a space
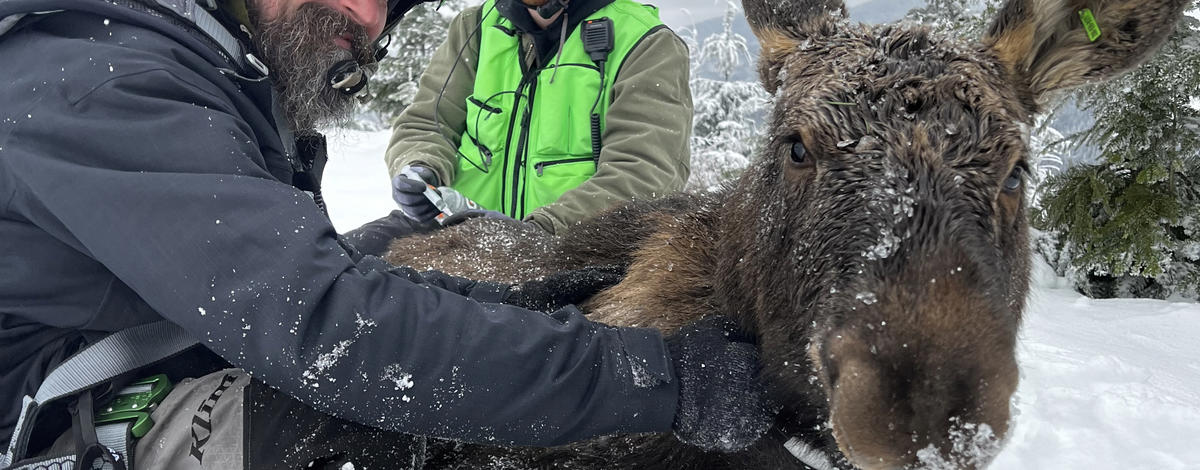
722, 403
374, 237
463, 216
563, 288
408, 190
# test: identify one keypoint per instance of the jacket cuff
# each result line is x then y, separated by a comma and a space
489, 292
648, 356
545, 222
653, 374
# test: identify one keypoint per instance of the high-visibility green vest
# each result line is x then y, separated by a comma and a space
528, 137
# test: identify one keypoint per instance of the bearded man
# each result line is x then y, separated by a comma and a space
173, 295
546, 111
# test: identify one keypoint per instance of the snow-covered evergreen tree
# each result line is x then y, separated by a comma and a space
1048, 147
1130, 224
412, 45
961, 18
966, 19
726, 110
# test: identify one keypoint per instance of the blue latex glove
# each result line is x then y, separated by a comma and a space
408, 190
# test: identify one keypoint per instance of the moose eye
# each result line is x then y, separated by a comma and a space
800, 154
1014, 180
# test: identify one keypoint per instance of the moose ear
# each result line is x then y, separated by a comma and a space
1057, 44
776, 46
781, 26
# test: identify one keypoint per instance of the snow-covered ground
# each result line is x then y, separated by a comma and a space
1105, 384
356, 186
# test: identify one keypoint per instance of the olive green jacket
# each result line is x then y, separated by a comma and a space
647, 128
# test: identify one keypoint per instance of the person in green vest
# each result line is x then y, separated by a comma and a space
546, 111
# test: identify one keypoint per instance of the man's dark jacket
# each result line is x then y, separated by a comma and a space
138, 182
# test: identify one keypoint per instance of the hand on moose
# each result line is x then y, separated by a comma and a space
408, 190
563, 288
722, 403
374, 237
474, 213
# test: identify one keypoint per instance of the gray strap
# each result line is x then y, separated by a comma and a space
121, 352
20, 434
8, 22
195, 12
191, 11
116, 437
116, 354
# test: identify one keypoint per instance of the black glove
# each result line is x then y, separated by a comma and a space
408, 190
469, 214
374, 237
563, 288
722, 404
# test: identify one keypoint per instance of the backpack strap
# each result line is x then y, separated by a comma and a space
7, 23
117, 354
196, 13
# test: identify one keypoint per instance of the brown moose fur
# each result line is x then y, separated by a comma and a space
884, 273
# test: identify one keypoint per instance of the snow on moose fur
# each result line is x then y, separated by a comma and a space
877, 247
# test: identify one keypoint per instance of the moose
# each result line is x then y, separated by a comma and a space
877, 247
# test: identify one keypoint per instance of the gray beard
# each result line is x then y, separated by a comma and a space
299, 53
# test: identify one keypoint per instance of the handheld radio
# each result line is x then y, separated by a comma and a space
598, 39
597, 43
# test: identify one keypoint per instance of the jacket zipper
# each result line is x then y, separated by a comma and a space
523, 150
540, 166
512, 123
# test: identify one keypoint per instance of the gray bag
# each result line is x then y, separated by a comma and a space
99, 363
198, 426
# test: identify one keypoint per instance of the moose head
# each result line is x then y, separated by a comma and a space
882, 244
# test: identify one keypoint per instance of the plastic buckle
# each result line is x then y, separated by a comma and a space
134, 403
257, 65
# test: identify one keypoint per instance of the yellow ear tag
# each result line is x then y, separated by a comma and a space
1090, 24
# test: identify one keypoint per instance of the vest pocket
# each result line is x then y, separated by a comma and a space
482, 144
554, 176
563, 110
